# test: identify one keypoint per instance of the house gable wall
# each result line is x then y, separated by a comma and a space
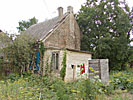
58, 37
67, 35
73, 38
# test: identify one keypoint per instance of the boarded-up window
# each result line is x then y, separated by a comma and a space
55, 61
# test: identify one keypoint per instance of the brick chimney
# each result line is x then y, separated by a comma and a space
60, 12
70, 9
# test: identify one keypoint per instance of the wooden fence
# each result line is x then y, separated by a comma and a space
101, 69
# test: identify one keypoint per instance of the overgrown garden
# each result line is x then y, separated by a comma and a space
36, 87
106, 26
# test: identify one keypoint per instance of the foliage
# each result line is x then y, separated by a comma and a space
19, 89
23, 25
63, 69
47, 67
13, 77
1, 67
4, 40
36, 87
122, 80
42, 50
116, 96
48, 87
85, 89
106, 27
17, 52
130, 55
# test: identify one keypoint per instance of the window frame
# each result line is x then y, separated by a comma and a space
55, 61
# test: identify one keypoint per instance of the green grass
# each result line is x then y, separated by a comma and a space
121, 96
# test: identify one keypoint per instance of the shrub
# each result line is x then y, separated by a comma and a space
48, 87
17, 52
122, 80
34, 87
13, 77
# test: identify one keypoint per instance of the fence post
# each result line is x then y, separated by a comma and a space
104, 70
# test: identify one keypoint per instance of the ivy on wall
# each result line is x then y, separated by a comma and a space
47, 67
63, 69
42, 50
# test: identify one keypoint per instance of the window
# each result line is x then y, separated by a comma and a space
55, 61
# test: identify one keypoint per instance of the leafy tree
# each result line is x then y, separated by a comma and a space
130, 55
23, 25
106, 27
4, 41
17, 52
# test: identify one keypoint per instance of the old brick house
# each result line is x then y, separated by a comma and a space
62, 34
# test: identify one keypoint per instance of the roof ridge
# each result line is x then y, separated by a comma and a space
56, 25
49, 20
41, 29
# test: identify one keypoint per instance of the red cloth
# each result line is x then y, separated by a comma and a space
82, 68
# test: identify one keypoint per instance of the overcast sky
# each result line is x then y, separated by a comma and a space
13, 11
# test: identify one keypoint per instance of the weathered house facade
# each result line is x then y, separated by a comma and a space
59, 35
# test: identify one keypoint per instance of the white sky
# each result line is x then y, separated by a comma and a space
13, 11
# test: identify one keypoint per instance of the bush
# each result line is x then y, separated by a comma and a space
85, 89
13, 77
47, 87
34, 86
122, 80
17, 52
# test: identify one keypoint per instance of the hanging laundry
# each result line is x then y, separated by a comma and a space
82, 69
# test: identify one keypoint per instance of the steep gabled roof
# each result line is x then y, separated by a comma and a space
41, 30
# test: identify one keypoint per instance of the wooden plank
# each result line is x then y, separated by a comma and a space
93, 61
94, 65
